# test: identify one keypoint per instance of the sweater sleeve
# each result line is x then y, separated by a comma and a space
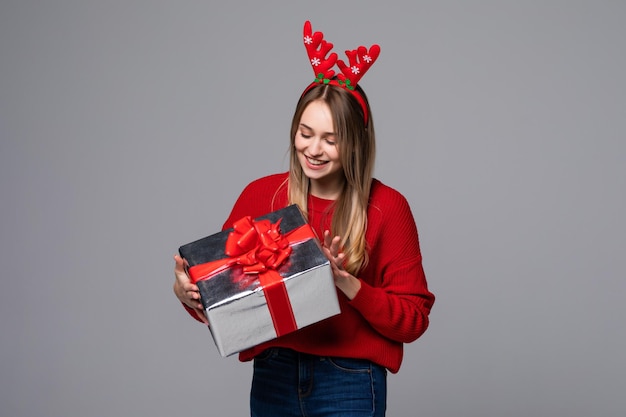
258, 198
394, 296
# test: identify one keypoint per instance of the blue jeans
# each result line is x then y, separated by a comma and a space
287, 383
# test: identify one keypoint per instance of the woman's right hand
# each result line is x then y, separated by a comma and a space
185, 291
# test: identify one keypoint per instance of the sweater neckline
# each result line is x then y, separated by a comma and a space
318, 204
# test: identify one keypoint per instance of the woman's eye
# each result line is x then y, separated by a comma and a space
305, 136
330, 141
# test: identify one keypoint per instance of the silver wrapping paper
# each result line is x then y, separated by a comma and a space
235, 303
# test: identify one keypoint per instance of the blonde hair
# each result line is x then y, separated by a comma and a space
357, 149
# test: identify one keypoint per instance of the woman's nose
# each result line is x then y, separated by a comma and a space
315, 147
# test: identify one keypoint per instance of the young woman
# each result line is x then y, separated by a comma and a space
337, 367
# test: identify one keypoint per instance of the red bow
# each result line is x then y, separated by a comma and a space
257, 246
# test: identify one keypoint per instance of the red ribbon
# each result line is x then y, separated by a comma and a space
260, 248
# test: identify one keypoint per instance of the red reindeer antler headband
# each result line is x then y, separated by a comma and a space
360, 60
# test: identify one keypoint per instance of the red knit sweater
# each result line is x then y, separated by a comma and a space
393, 304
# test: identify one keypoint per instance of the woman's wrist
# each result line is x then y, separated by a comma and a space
350, 286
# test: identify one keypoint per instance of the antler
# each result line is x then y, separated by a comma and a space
360, 60
317, 49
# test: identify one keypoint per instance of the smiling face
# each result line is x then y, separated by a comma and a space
316, 147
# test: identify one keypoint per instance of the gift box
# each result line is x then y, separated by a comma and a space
261, 279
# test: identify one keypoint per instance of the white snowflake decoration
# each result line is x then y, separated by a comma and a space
355, 69
308, 40
367, 58
315, 62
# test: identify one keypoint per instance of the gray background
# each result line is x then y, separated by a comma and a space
129, 128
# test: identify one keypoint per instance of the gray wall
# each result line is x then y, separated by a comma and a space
129, 128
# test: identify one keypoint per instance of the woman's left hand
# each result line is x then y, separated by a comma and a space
346, 282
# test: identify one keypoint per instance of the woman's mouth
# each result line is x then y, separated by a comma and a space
315, 162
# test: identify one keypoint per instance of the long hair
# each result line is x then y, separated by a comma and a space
357, 149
